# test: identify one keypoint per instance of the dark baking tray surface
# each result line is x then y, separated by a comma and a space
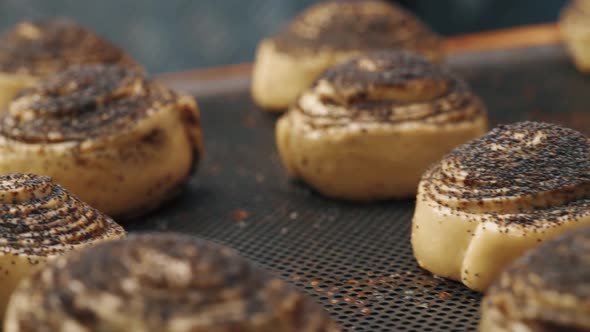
355, 259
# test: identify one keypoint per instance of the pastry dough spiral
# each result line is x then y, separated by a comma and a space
33, 50
40, 220
368, 129
160, 282
118, 141
490, 200
330, 33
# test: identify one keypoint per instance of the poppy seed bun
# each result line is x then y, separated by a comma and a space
367, 129
490, 200
574, 23
118, 141
33, 50
40, 220
548, 289
160, 283
328, 34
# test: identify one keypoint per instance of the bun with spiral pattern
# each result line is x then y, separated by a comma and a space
160, 283
328, 34
40, 220
548, 289
369, 128
116, 140
490, 200
33, 50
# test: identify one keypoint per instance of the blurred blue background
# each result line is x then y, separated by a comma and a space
171, 35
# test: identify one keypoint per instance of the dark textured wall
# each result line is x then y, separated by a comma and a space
169, 35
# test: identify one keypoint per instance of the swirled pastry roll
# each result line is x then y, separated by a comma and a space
40, 220
116, 140
33, 50
160, 283
574, 24
490, 200
330, 33
369, 128
546, 290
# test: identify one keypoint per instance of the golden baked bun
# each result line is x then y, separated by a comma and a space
546, 290
330, 33
490, 200
574, 24
116, 140
160, 283
367, 129
40, 220
36, 49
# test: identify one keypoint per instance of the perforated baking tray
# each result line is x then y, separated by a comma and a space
355, 259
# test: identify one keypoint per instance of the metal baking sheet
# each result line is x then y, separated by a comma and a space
355, 259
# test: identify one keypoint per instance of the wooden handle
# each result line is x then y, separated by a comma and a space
527, 36
227, 78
